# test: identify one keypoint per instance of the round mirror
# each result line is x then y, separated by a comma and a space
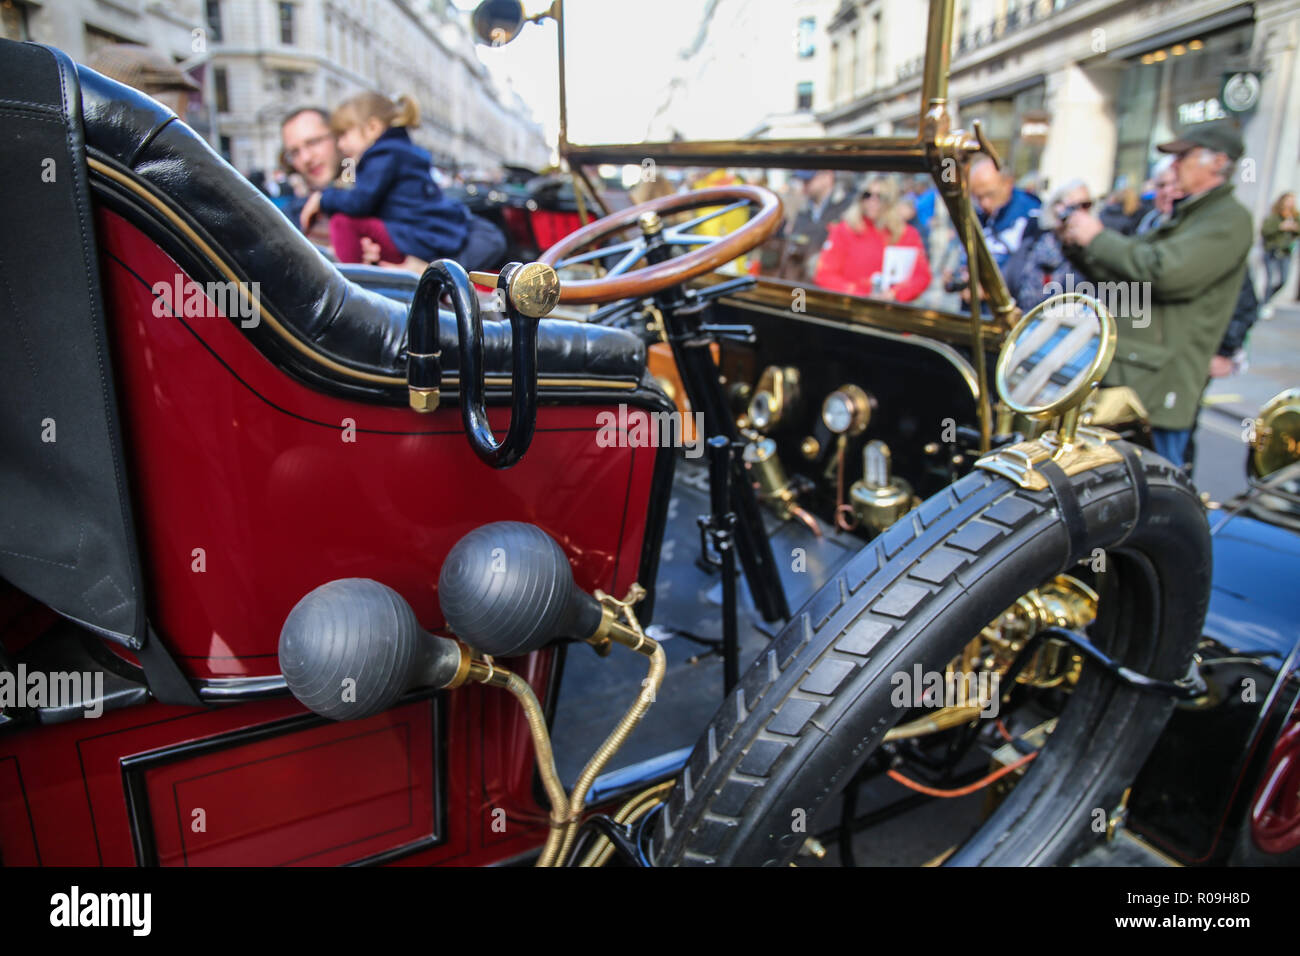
497, 21
1276, 442
1056, 355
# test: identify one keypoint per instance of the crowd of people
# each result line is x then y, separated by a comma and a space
1183, 238
356, 183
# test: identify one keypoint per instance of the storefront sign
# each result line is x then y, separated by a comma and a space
1034, 126
1240, 92
1200, 111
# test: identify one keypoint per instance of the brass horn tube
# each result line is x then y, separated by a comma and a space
654, 678
486, 672
630, 812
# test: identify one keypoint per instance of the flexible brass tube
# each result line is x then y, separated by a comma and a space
490, 673
943, 719
578, 800
637, 807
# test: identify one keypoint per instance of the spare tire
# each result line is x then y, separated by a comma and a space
816, 703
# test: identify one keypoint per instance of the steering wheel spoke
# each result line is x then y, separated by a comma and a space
628, 260
593, 254
712, 214
689, 239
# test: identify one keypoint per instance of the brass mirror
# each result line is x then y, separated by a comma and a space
1055, 357
1276, 442
496, 22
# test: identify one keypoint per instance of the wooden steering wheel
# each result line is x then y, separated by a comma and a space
624, 282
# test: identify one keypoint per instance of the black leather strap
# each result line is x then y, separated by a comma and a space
163, 675
1141, 491
1067, 502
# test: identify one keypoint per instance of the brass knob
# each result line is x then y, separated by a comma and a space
534, 289
985, 146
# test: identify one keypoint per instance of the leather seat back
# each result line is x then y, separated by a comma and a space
318, 323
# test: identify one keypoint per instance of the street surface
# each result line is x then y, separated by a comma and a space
1273, 356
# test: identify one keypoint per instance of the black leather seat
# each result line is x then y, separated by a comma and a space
351, 329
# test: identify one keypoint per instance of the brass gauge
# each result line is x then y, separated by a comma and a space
847, 410
774, 397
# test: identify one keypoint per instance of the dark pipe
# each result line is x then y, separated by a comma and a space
424, 370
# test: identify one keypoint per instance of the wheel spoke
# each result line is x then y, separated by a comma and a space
628, 260
600, 253
690, 239
720, 211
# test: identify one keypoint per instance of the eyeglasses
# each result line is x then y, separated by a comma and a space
868, 194
292, 154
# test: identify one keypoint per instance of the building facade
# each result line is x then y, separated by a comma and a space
1085, 88
258, 60
764, 60
272, 57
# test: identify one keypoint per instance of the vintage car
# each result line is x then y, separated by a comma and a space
276, 593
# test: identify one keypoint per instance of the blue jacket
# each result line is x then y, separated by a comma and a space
395, 184
1007, 226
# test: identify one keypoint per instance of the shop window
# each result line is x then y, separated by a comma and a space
1166, 91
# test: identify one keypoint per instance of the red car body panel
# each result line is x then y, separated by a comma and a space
250, 489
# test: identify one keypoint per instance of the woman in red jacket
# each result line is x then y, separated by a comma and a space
873, 251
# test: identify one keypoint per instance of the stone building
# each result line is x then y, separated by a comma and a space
1084, 88
765, 61
259, 59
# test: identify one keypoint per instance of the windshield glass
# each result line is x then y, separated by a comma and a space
871, 235
723, 70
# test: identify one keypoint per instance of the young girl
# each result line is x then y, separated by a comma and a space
394, 201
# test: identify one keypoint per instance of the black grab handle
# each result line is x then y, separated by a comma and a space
424, 366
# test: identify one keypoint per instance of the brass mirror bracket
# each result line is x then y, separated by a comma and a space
950, 153
1074, 448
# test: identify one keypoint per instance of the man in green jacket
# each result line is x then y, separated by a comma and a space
1192, 265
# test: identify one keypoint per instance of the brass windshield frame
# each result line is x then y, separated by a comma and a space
937, 149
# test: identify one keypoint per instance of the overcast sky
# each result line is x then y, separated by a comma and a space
619, 61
